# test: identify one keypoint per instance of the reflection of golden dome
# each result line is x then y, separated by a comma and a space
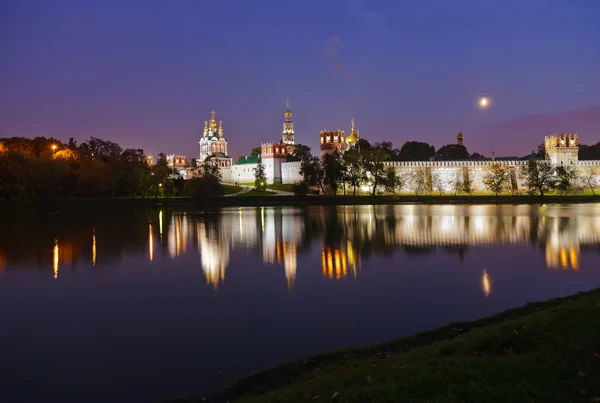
352, 137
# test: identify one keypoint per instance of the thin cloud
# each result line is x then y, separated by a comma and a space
373, 20
331, 53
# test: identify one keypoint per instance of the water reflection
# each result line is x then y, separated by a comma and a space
485, 283
343, 235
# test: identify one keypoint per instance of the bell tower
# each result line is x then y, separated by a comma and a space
287, 136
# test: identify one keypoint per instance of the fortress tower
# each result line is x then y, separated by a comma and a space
562, 149
332, 140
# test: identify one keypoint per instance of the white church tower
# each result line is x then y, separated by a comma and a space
213, 145
287, 136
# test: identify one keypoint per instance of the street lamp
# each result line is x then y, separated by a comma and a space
53, 148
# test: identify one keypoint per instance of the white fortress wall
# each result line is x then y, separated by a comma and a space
243, 173
290, 172
447, 171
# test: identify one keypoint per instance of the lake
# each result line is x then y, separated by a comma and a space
143, 304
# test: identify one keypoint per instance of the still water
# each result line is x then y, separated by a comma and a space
145, 304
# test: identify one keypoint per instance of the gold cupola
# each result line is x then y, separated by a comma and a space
288, 112
213, 122
352, 137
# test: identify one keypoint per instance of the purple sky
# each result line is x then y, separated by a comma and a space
147, 73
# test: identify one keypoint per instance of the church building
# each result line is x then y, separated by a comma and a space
213, 146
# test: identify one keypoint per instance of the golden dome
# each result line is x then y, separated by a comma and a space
352, 137
460, 135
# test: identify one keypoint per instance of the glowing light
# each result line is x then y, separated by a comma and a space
241, 226
563, 259
484, 102
574, 259
93, 247
160, 222
150, 242
485, 284
54, 146
55, 258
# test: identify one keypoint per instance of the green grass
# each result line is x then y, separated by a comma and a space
230, 189
541, 352
282, 187
255, 192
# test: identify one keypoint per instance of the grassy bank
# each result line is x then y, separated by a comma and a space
230, 189
547, 351
257, 193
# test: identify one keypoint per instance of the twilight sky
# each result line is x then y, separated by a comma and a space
147, 73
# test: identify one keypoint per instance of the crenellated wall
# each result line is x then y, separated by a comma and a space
447, 172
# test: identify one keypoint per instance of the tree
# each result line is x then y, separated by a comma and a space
467, 183
437, 182
333, 169
418, 180
354, 171
260, 178
256, 151
565, 178
206, 184
541, 152
373, 161
589, 152
452, 152
393, 183
160, 175
477, 157
497, 179
300, 188
590, 178
301, 152
416, 151
457, 181
539, 175
312, 172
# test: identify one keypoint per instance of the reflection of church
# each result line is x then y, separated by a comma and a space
349, 234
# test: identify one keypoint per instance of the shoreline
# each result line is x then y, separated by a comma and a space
263, 201
440, 344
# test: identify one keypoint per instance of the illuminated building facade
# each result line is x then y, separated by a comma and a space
562, 149
213, 145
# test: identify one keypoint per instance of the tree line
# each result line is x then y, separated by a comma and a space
46, 168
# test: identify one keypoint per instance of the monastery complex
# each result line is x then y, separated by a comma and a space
561, 149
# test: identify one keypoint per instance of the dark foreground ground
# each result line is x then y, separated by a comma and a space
543, 352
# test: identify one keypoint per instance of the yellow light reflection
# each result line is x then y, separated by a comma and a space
55, 258
574, 259
486, 284
563, 259
93, 247
262, 218
150, 242
241, 225
160, 223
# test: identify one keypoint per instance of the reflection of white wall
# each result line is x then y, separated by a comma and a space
178, 236
214, 254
